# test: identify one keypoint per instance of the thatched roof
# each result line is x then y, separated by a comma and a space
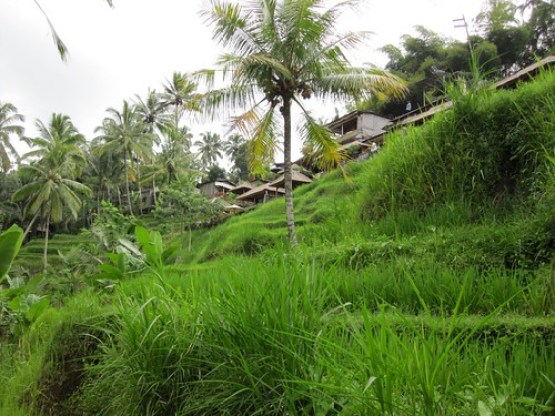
297, 177
241, 188
258, 193
223, 183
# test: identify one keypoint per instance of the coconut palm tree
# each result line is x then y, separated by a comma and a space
209, 148
124, 136
58, 146
232, 146
53, 186
179, 93
176, 159
153, 112
282, 52
9, 126
104, 173
156, 119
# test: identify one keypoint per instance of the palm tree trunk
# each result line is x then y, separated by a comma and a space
45, 261
127, 186
140, 189
153, 192
29, 226
288, 177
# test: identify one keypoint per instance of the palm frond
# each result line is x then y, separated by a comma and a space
40, 199
25, 191
326, 153
12, 129
227, 99
62, 48
5, 159
329, 18
254, 65
262, 143
56, 208
230, 25
68, 198
77, 186
359, 82
333, 51
247, 122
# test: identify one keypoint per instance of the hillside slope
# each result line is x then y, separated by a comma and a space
479, 177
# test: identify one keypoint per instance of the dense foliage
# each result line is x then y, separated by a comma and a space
506, 36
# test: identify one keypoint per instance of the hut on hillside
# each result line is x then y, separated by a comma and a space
298, 178
261, 193
219, 187
242, 188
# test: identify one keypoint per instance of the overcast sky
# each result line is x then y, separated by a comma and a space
117, 53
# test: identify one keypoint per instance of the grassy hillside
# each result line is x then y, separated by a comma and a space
478, 178
423, 285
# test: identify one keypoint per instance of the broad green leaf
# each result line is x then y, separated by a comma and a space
107, 271
18, 304
151, 244
129, 247
168, 255
37, 308
10, 243
33, 284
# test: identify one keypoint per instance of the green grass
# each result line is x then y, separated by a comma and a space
275, 336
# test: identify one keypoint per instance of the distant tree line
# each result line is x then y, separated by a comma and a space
505, 38
139, 151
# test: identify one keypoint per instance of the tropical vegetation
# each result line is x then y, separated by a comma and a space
422, 281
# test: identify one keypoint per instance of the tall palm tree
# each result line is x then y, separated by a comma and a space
179, 93
176, 158
209, 148
9, 126
104, 173
124, 136
232, 145
53, 187
153, 112
282, 52
58, 146
156, 119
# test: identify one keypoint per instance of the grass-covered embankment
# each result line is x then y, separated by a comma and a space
473, 186
278, 336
